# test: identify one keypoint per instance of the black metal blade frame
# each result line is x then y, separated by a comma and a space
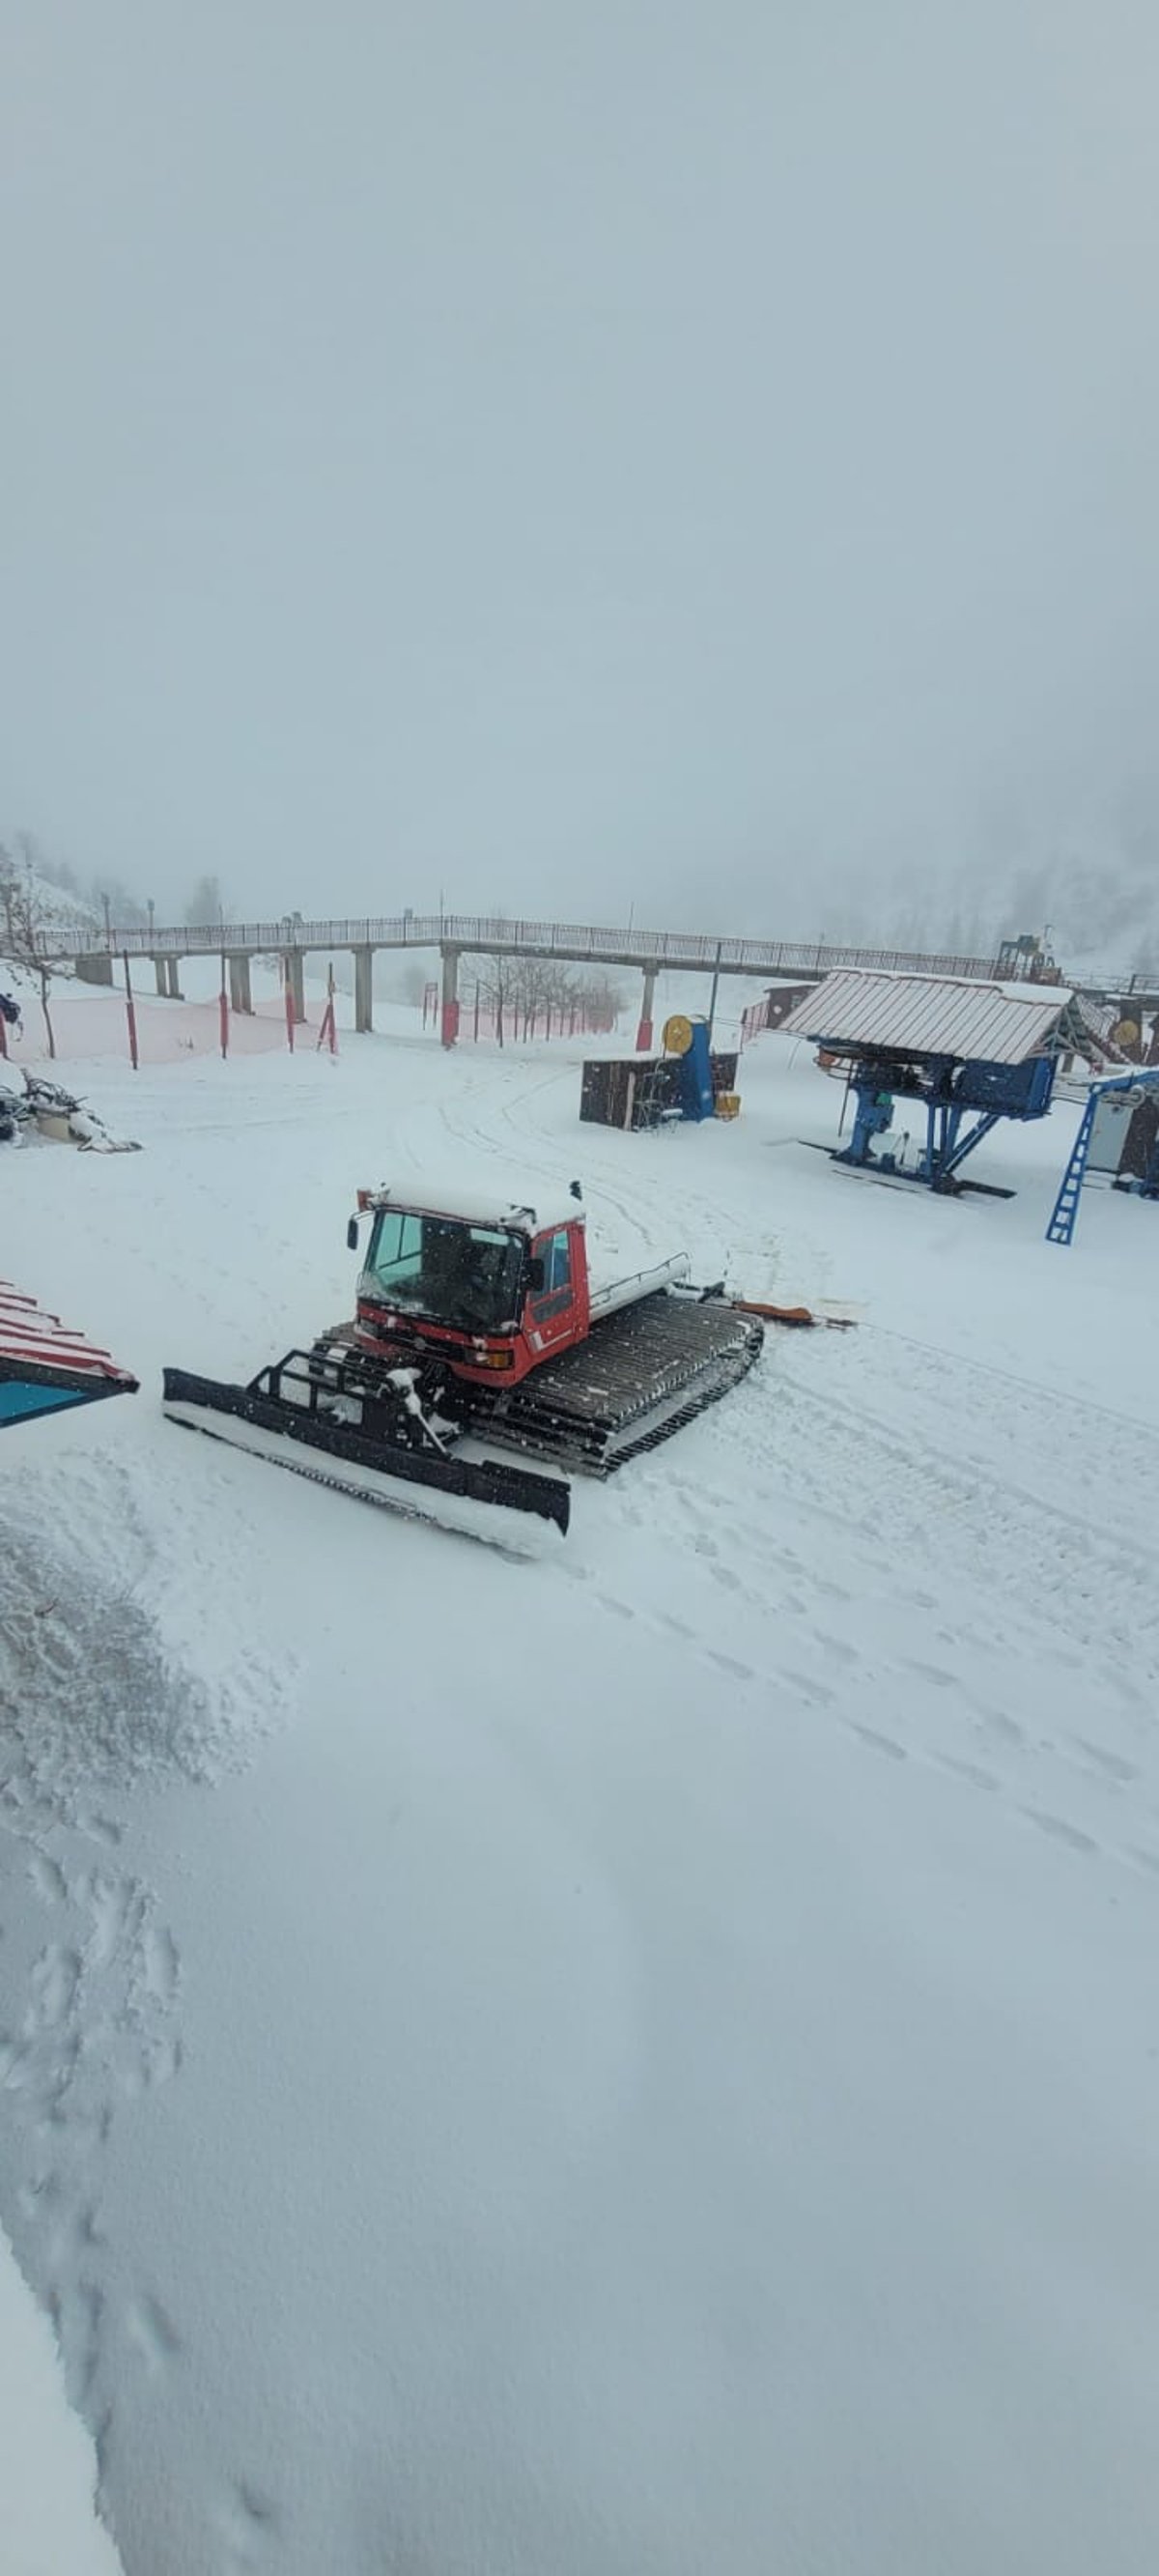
313, 1423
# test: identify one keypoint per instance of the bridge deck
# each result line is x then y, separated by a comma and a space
483, 934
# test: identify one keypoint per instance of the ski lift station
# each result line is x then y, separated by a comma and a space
966, 1054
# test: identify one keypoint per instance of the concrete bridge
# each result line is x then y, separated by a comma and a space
455, 935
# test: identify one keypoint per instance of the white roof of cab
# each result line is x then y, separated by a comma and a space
541, 1209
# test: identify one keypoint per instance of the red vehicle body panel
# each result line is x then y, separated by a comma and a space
554, 1319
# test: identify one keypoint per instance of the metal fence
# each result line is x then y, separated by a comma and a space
485, 933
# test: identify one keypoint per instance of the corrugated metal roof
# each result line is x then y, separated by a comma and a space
29, 1333
931, 1015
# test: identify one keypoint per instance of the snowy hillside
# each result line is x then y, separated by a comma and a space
28, 905
629, 2062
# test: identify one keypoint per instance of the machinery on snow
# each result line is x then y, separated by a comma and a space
478, 1328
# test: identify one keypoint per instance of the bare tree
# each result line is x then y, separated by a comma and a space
23, 923
525, 994
206, 905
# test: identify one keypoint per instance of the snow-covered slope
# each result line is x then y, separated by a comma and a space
641, 2060
27, 898
47, 2468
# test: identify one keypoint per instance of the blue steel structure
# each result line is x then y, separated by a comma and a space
963, 1098
1144, 1080
697, 1098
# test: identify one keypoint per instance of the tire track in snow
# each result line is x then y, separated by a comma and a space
823, 1577
777, 1679
912, 1491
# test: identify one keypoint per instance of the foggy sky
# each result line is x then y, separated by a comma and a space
697, 455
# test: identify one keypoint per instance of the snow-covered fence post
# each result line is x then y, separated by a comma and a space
130, 1014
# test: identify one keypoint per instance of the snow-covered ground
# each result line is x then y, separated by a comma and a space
89, 1021
47, 2467
630, 2062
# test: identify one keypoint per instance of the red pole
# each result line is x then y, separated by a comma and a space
130, 1014
223, 1015
328, 1034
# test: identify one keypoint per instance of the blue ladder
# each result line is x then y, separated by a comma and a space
1066, 1206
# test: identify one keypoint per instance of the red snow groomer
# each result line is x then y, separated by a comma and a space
478, 1327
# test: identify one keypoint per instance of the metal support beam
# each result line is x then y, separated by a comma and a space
363, 990
296, 982
644, 1032
959, 1145
240, 994
712, 995
449, 1027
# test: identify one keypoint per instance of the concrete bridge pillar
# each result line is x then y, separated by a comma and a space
160, 969
644, 1032
240, 992
449, 1029
95, 970
295, 978
175, 993
363, 991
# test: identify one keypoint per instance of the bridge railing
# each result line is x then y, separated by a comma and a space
483, 932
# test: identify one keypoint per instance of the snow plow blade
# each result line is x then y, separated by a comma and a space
287, 1404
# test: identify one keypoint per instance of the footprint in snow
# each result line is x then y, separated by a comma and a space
1059, 1830
974, 1772
880, 1743
152, 2333
53, 1982
47, 1878
1112, 1764
162, 1967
